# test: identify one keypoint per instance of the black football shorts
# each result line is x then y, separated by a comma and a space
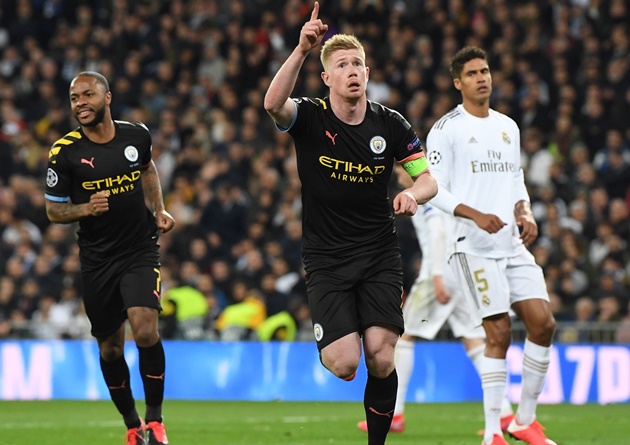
353, 293
109, 290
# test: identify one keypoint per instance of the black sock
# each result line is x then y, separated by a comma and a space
152, 367
116, 375
379, 402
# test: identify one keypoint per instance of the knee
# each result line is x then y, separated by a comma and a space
381, 363
110, 351
342, 367
549, 327
542, 333
144, 326
499, 338
145, 336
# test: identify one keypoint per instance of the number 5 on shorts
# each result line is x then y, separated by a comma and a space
481, 282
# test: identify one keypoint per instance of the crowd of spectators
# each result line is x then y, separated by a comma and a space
196, 71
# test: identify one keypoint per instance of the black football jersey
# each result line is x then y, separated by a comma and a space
345, 171
78, 168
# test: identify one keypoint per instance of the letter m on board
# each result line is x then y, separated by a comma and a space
22, 379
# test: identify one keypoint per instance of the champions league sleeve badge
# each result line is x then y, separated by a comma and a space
51, 178
434, 157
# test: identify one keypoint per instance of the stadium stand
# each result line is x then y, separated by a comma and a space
195, 72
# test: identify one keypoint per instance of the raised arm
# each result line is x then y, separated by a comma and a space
153, 193
277, 101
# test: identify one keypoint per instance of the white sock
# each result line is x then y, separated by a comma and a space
535, 364
506, 406
404, 367
493, 379
476, 357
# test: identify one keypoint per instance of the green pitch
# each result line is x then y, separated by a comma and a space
285, 423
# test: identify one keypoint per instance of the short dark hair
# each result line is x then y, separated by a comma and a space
464, 55
98, 76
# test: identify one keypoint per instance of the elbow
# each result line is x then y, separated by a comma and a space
270, 106
267, 104
272, 110
52, 218
274, 105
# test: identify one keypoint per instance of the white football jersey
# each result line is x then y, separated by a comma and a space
432, 227
476, 162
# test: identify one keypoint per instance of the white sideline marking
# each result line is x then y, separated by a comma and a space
294, 419
308, 419
115, 423
50, 425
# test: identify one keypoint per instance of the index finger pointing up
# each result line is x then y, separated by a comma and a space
315, 12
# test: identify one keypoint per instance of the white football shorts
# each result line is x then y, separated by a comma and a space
493, 285
424, 315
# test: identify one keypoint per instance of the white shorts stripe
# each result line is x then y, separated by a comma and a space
495, 284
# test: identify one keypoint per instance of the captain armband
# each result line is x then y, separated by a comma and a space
416, 166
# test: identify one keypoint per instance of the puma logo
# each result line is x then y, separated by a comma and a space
90, 162
389, 414
332, 138
156, 294
123, 383
155, 377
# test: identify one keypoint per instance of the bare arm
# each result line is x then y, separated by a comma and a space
153, 193
424, 188
486, 221
66, 212
152, 188
526, 222
277, 101
450, 204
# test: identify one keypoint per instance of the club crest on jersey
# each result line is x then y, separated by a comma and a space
51, 178
318, 330
434, 157
506, 138
131, 153
378, 144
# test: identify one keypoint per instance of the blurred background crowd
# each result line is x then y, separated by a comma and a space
196, 71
